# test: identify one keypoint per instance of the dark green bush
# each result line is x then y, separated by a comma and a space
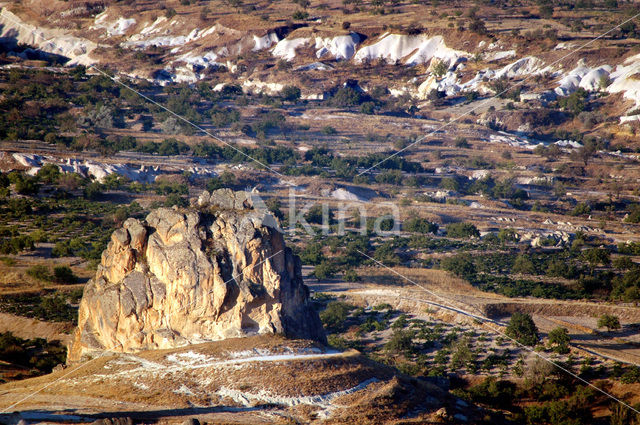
522, 328
462, 230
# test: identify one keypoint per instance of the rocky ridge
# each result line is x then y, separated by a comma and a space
218, 269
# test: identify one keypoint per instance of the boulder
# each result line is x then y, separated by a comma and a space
212, 271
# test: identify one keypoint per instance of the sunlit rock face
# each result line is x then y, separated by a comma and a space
219, 269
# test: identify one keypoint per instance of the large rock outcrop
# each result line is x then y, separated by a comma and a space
219, 269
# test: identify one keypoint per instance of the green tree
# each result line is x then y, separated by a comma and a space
300, 15
27, 185
64, 274
335, 315
609, 321
522, 328
290, 93
40, 272
49, 173
93, 191
439, 69
316, 215
623, 263
633, 216
400, 341
596, 256
312, 254
507, 235
575, 102
462, 230
274, 206
324, 270
449, 183
545, 11
351, 275
523, 265
419, 225
581, 208
559, 339
386, 254
461, 265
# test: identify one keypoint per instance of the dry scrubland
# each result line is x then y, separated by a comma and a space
495, 216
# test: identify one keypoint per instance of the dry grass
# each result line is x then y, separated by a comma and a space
432, 279
387, 399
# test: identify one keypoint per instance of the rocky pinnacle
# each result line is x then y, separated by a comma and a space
218, 269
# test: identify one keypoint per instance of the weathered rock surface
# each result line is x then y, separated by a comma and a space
217, 270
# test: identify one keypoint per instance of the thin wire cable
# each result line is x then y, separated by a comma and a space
487, 320
117, 81
180, 117
83, 365
150, 100
494, 96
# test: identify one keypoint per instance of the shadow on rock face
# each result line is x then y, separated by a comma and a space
212, 271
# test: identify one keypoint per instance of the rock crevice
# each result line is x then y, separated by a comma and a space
219, 269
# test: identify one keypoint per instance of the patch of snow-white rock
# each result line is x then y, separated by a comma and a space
342, 47
625, 78
411, 49
497, 56
257, 86
265, 41
98, 170
52, 41
286, 48
166, 40
314, 66
118, 27
529, 65
569, 144
582, 76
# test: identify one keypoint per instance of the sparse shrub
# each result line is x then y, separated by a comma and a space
324, 270
335, 315
400, 323
300, 15
462, 142
522, 328
559, 339
328, 130
545, 11
439, 69
609, 321
523, 265
40, 272
368, 108
462, 230
461, 265
478, 26
401, 341
419, 225
290, 93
